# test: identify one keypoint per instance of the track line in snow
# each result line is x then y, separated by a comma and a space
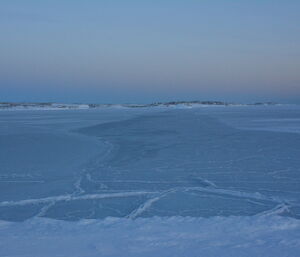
70, 197
147, 204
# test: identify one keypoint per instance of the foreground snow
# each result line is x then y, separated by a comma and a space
266, 235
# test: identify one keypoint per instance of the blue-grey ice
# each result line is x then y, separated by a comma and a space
220, 181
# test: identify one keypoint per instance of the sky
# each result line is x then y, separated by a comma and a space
146, 51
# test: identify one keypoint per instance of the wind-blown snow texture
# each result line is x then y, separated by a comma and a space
215, 181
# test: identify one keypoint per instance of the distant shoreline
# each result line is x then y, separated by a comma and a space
55, 106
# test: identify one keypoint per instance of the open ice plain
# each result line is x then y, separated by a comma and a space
213, 181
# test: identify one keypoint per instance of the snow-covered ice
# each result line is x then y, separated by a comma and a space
214, 181
240, 236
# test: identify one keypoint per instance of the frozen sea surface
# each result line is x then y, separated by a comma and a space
151, 182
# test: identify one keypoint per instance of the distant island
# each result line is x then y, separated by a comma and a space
55, 106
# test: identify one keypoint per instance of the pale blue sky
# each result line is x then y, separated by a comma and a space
144, 51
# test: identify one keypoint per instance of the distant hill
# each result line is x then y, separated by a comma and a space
58, 106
